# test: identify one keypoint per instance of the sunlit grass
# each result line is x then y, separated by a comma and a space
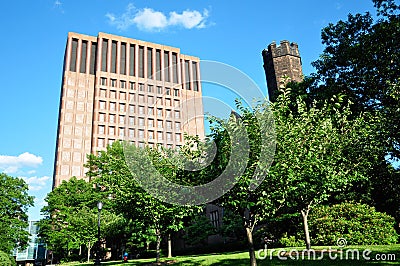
242, 258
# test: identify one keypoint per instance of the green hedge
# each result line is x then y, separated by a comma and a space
359, 224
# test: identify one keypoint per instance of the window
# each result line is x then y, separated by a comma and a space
132, 85
141, 145
113, 83
159, 101
74, 49
176, 92
100, 143
175, 67
112, 106
112, 118
121, 132
168, 91
159, 112
150, 111
141, 122
141, 87
101, 117
150, 63
159, 90
187, 75
83, 57
166, 66
103, 93
103, 81
131, 133
178, 137
122, 119
141, 110
101, 129
177, 114
122, 62
113, 94
111, 141
123, 84
159, 124
131, 109
141, 133
214, 217
168, 113
113, 57
111, 130
158, 64
93, 57
150, 99
177, 126
132, 60
150, 88
168, 102
169, 125
176, 102
104, 50
150, 135
141, 98
102, 105
141, 61
151, 123
122, 96
169, 136
122, 107
131, 121
159, 135
195, 81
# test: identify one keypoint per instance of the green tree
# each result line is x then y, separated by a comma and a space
14, 203
111, 169
320, 151
252, 198
70, 220
361, 61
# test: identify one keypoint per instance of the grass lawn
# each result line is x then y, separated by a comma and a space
242, 258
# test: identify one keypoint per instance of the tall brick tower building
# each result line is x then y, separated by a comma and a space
120, 88
280, 61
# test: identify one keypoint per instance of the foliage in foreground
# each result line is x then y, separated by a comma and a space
14, 203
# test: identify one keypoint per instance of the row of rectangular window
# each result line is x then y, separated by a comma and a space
141, 98
141, 109
131, 133
141, 144
141, 86
141, 122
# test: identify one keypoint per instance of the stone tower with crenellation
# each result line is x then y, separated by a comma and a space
279, 61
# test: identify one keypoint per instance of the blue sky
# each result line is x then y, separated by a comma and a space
34, 34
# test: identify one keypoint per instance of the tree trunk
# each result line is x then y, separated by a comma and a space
169, 246
304, 214
249, 233
158, 245
88, 252
80, 250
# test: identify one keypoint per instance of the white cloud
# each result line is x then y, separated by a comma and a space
11, 164
36, 183
189, 19
148, 19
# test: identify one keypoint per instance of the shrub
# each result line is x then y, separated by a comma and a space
290, 241
359, 224
6, 260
